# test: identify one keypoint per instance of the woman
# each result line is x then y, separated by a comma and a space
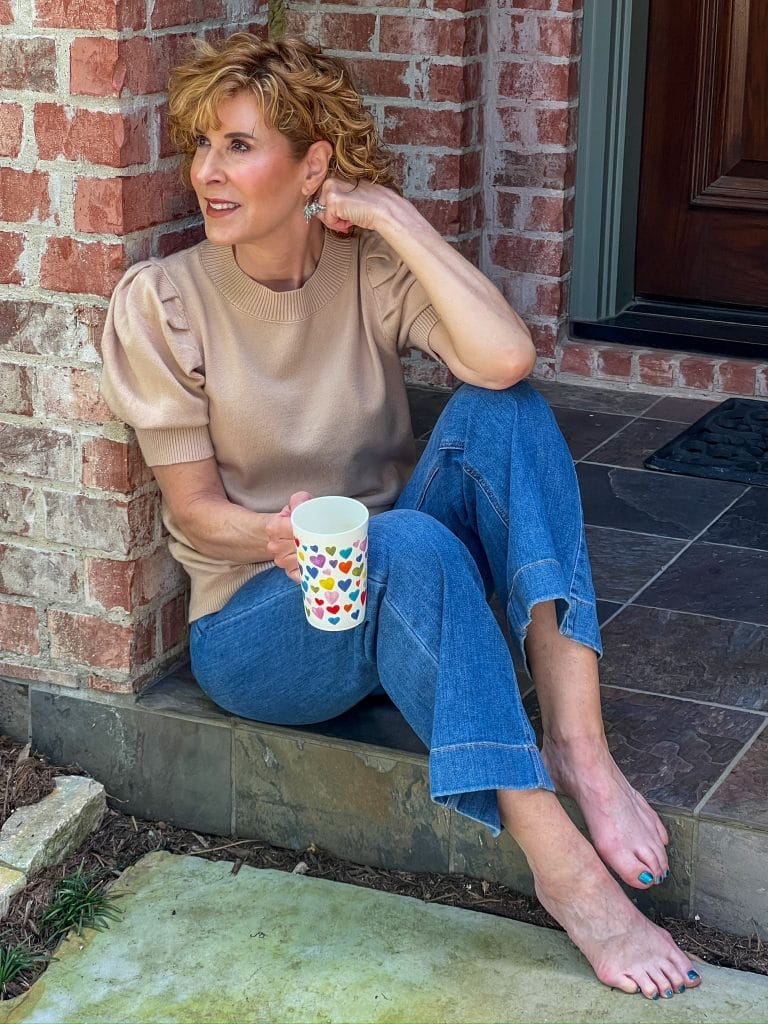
262, 366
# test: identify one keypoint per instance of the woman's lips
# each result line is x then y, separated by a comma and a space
219, 207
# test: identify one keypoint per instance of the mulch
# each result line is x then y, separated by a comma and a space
122, 839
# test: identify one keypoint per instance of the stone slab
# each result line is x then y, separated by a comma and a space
11, 882
48, 831
196, 943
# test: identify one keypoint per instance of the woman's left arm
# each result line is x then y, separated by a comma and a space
480, 337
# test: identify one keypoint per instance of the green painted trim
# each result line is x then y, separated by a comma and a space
608, 156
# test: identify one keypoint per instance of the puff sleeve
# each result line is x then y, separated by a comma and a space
404, 307
154, 377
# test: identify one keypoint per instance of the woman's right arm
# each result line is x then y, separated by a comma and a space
217, 527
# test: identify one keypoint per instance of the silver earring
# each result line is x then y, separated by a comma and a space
312, 209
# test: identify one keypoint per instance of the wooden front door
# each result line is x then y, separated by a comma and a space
703, 215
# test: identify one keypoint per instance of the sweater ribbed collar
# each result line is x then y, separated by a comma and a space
257, 300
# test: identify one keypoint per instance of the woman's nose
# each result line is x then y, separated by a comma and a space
209, 166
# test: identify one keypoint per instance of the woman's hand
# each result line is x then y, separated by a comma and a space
360, 204
281, 546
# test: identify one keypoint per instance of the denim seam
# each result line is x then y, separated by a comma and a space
406, 625
492, 500
530, 565
484, 743
576, 560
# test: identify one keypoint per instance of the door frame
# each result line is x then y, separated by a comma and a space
611, 101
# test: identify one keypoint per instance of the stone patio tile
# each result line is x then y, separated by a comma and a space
684, 655
745, 524
635, 443
585, 430
681, 410
741, 796
572, 396
363, 803
156, 765
731, 881
623, 562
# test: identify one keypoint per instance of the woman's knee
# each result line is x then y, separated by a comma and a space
414, 541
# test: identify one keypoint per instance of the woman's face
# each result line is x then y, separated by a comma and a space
248, 183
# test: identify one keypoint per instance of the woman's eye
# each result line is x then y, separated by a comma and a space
201, 140
239, 146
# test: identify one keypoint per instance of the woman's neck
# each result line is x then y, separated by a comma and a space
286, 269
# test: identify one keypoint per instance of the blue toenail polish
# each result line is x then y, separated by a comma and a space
693, 975
666, 874
655, 995
660, 879
638, 989
681, 989
645, 878
668, 994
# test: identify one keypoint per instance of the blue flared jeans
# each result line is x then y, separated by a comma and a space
493, 505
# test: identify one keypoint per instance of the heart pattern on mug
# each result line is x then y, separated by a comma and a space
333, 581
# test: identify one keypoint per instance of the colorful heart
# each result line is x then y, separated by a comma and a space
318, 612
359, 558
345, 584
363, 596
345, 566
345, 552
357, 570
312, 572
319, 600
334, 619
318, 560
333, 563
331, 551
305, 587
353, 595
314, 547
296, 541
326, 584
333, 597
355, 615
332, 609
347, 607
364, 544
315, 590
302, 556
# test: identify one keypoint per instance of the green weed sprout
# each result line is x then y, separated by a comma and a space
14, 960
80, 902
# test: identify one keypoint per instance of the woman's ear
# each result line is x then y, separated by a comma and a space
317, 159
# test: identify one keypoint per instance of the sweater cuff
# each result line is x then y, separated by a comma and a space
167, 446
420, 328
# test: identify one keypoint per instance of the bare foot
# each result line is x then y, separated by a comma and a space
625, 949
626, 831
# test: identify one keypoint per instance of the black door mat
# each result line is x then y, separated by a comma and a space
729, 443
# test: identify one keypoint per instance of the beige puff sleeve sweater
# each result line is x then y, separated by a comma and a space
288, 391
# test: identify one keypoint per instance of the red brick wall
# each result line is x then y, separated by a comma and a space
88, 593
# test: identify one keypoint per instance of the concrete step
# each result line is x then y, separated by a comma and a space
196, 943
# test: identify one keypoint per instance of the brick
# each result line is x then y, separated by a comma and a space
417, 126
72, 394
613, 362
558, 37
91, 14
19, 629
737, 378
549, 213
374, 77
89, 640
122, 205
535, 255
11, 250
6, 13
173, 623
84, 267
105, 524
17, 509
444, 215
456, 83
424, 37
128, 585
533, 5
535, 80
544, 338
339, 31
113, 465
577, 359
167, 13
655, 369
697, 373
11, 128
23, 195
555, 126
507, 209
28, 64
174, 241
536, 170
36, 452
166, 146
16, 385
453, 170
114, 140
466, 6
37, 328
97, 67
41, 675
43, 575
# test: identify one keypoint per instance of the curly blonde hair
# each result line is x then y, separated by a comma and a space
304, 94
